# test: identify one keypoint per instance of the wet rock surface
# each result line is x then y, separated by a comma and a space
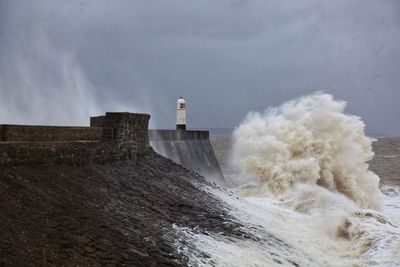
114, 214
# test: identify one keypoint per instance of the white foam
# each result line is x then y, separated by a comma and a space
309, 140
337, 233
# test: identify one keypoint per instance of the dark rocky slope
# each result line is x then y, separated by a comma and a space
113, 214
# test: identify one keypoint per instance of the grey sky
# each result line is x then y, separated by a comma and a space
62, 61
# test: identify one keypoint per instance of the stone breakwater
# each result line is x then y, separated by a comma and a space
118, 214
69, 153
110, 138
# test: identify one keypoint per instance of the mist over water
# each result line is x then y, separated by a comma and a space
41, 83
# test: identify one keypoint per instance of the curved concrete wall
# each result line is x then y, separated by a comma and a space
191, 149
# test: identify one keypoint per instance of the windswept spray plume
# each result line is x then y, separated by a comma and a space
42, 84
309, 140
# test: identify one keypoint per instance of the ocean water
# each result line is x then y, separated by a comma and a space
310, 189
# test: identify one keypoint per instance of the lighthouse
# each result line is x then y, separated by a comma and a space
181, 114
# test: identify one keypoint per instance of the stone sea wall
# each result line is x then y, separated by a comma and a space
119, 136
69, 153
31, 133
173, 135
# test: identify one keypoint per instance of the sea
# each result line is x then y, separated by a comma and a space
309, 188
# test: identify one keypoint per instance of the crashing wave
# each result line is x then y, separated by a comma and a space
309, 140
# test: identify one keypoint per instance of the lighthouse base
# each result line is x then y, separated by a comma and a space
181, 126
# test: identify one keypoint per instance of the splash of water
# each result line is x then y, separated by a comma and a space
40, 83
309, 140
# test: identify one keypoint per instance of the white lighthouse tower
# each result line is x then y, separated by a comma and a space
181, 114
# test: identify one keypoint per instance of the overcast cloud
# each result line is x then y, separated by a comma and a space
62, 61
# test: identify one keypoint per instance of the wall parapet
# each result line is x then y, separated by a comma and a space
176, 135
119, 136
68, 153
33, 133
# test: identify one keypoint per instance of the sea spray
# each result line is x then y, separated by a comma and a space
42, 83
309, 140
